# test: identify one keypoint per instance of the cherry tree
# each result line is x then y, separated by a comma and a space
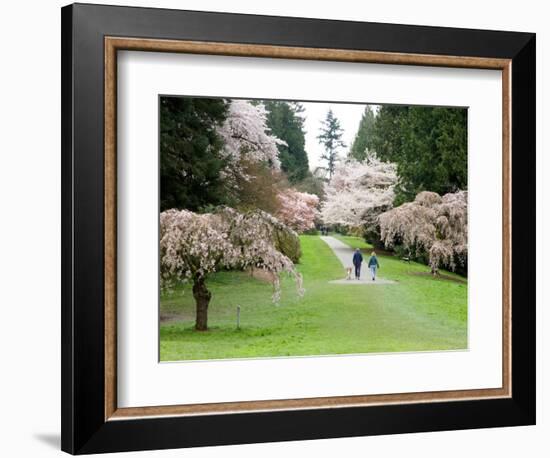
193, 246
432, 225
298, 210
246, 135
249, 148
358, 192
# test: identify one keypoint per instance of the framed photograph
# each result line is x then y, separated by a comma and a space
284, 228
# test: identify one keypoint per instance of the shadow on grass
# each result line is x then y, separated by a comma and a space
177, 332
440, 277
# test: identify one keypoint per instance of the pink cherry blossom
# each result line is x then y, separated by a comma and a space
431, 224
357, 190
192, 245
298, 210
246, 136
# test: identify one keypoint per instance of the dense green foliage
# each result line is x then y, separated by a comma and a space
416, 313
286, 123
364, 136
189, 145
429, 146
331, 139
288, 243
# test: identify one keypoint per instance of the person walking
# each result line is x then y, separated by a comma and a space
373, 265
357, 260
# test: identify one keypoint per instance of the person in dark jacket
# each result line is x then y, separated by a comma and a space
357, 260
373, 265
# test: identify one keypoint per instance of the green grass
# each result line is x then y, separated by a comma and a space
417, 313
353, 242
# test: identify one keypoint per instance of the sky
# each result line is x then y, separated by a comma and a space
349, 116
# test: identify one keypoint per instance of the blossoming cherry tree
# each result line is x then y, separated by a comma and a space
431, 224
298, 210
193, 246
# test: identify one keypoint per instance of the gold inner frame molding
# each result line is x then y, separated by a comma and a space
114, 44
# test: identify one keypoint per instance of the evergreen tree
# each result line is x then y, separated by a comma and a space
363, 137
331, 139
429, 146
190, 162
285, 121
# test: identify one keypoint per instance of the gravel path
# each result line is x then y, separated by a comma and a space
345, 254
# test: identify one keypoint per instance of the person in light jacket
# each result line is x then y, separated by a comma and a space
373, 265
357, 260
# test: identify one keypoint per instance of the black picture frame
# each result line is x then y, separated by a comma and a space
84, 428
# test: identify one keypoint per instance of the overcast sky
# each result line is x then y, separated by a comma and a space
349, 116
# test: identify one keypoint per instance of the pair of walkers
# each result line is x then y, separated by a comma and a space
358, 260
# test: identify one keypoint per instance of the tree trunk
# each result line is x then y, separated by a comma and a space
202, 298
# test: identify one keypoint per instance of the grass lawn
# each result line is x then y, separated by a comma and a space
416, 313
